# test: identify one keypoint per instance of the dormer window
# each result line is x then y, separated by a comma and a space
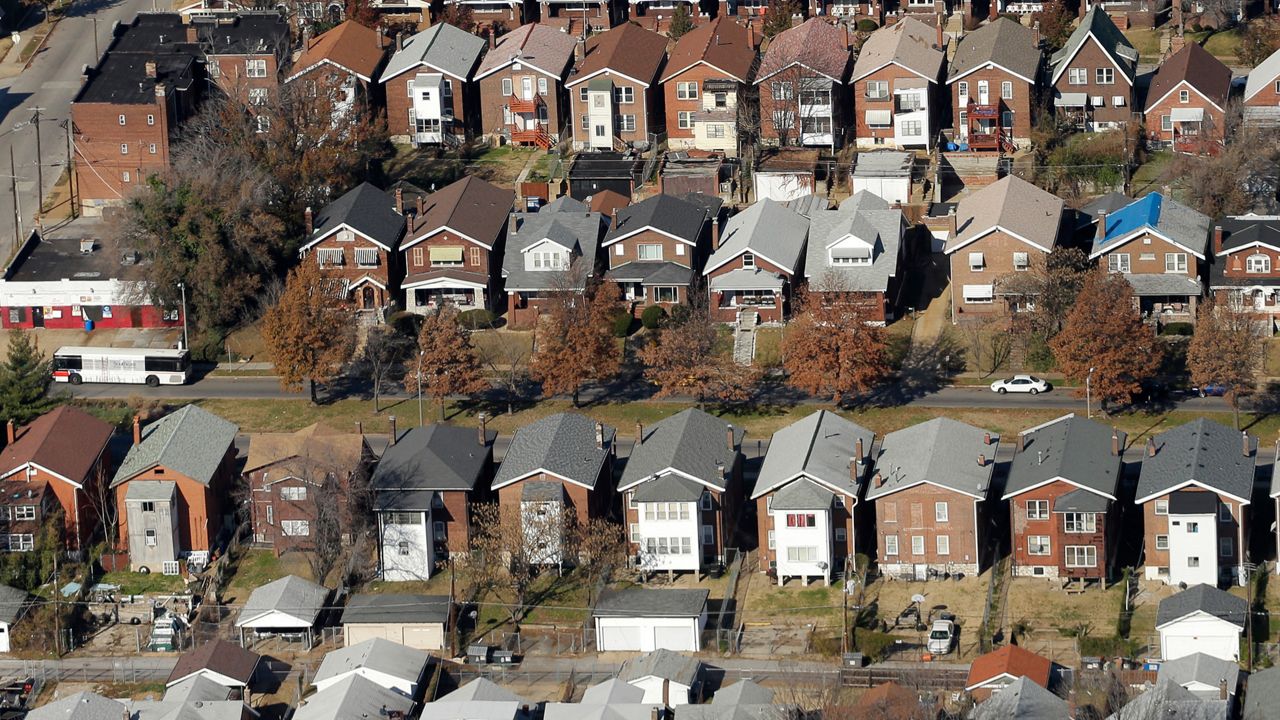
748, 260
1258, 263
851, 256
547, 260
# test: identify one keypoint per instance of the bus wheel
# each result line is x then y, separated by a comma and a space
74, 379
153, 381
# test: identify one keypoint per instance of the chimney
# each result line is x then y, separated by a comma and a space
728, 432
751, 34
1222, 689
137, 430
1244, 443
982, 460
480, 429
941, 44
381, 38
639, 433
986, 438
845, 26
1115, 442
11, 431
1102, 226
857, 450
1151, 447
360, 427
951, 224
394, 435
879, 480
400, 40
1217, 239
149, 67
715, 232
308, 220
493, 39
419, 204
1022, 442
599, 436
615, 219
655, 713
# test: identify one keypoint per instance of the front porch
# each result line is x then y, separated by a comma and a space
983, 129
1165, 298
738, 290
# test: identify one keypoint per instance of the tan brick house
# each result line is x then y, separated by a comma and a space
1246, 266
614, 90
897, 83
756, 263
706, 75
1262, 93
931, 487
1187, 101
339, 66
993, 86
657, 247
431, 93
801, 80
521, 83
1092, 75
355, 241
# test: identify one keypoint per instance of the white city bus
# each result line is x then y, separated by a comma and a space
121, 365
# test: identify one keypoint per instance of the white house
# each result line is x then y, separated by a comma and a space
1204, 675
389, 664
1201, 619
354, 697
666, 677
481, 698
289, 606
13, 603
645, 619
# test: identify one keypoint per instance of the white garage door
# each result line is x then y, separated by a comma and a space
673, 638
423, 638
619, 637
359, 633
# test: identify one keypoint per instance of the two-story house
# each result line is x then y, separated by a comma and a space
554, 250
1246, 266
993, 85
431, 96
752, 273
1187, 102
682, 492
859, 249
657, 246
1194, 490
706, 77
1159, 245
1262, 93
997, 231
557, 476
292, 476
806, 494
490, 17
581, 18
1092, 75
930, 489
896, 85
522, 86
338, 68
355, 241
245, 58
801, 82
59, 461
453, 247
614, 89
423, 489
1063, 495
173, 489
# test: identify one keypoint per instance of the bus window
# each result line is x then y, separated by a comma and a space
163, 364
67, 362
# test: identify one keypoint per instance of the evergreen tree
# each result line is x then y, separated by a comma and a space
24, 378
681, 21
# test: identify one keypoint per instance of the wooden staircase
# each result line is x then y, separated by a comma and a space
537, 136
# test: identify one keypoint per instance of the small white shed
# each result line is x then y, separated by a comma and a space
1201, 619
390, 665
288, 607
885, 174
666, 677
644, 619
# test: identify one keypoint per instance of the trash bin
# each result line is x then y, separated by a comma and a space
88, 325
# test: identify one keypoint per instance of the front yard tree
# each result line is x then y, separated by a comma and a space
778, 16
829, 349
1226, 348
307, 332
1105, 332
512, 546
24, 378
574, 342
384, 348
448, 363
688, 358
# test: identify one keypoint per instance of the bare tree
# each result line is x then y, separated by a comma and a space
384, 350
512, 545
988, 342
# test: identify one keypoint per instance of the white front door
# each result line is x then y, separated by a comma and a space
526, 88
1260, 300
983, 94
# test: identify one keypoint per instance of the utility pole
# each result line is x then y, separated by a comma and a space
57, 609
17, 211
39, 169
71, 175
96, 55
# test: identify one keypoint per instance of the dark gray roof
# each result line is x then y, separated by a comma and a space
662, 663
576, 230
563, 444
1170, 700
1262, 701
1184, 502
677, 215
191, 441
442, 46
1202, 668
1081, 500
1202, 452
669, 488
542, 491
1071, 448
404, 500
743, 692
434, 457
767, 228
866, 217
1005, 42
1087, 214
821, 446
396, 608
647, 272
1157, 284
1098, 24
1206, 599
1022, 699
941, 451
366, 209
803, 494
691, 442
12, 600
651, 602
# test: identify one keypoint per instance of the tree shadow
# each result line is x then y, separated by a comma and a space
925, 370
85, 8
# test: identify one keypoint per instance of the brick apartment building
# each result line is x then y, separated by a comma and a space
246, 56
993, 86
339, 66
897, 86
431, 95
705, 79
1187, 102
614, 89
1092, 75
803, 95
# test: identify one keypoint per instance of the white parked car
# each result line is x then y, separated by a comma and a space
1021, 384
942, 635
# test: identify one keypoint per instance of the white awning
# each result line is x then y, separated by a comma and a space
1180, 114
978, 292
1071, 100
879, 117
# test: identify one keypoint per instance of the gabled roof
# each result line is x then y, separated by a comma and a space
434, 457
1013, 205
651, 602
564, 223
198, 688
1262, 702
471, 206
1005, 43
1012, 661
627, 50
1023, 700
662, 663
219, 656
1244, 231
743, 692
539, 46
377, 654
1169, 700
353, 697
1088, 213
908, 43
1195, 66
821, 446
321, 445
396, 608
351, 46
290, 595
766, 228
66, 441
191, 441
563, 444
1201, 452
744, 700
482, 690
866, 216
1070, 448
442, 47
680, 216
1201, 668
1203, 599
691, 442
12, 602
942, 451
365, 209
722, 43
1098, 26
1263, 75
815, 44
83, 705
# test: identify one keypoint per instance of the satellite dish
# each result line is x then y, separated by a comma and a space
917, 598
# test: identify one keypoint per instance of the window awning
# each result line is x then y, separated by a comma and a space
446, 254
1180, 114
851, 253
978, 292
879, 117
1071, 100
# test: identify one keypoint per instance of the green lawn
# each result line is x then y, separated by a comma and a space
766, 601
1225, 44
1152, 171
259, 567
1146, 42
132, 583
769, 347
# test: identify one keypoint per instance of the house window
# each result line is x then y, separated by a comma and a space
624, 95
781, 91
151, 148
542, 86
911, 127
802, 554
1078, 76
1037, 509
271, 515
684, 119
295, 528
976, 261
366, 257
255, 68
124, 148
582, 94
783, 119
1184, 96
148, 507
1162, 507
940, 512
438, 531
257, 96
1162, 542
1117, 101
1193, 561
706, 500
631, 501
506, 87
1257, 264
403, 547
773, 543
21, 542
24, 512
841, 535
1080, 522
296, 494
877, 90
1226, 548
649, 251
1082, 556
1224, 513
1006, 119
330, 257
686, 91
748, 260
962, 88
708, 535
626, 123
890, 545
417, 256
944, 544
586, 123
890, 511
715, 131
721, 100
839, 501
122, 120
1175, 262
151, 119
802, 520
1021, 261
1105, 76
1166, 123
1193, 528
1006, 90
1118, 262
262, 123
1098, 101
1037, 544
151, 538
917, 544
124, 176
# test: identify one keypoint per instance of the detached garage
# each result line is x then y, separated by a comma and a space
643, 620
416, 621
885, 174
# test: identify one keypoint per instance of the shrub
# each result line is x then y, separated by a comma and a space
478, 319
406, 323
622, 324
872, 643
652, 317
1197, 27
1039, 356
1177, 328
679, 314
867, 25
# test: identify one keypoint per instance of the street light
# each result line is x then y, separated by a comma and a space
186, 343
420, 354
1088, 393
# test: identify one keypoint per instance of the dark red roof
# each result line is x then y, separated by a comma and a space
1198, 68
66, 441
627, 49
219, 656
722, 43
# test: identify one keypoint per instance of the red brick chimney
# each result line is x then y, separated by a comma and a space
1115, 442
1217, 239
986, 438
715, 232
480, 429
599, 436
615, 219
993, 10
307, 220
360, 428
420, 205
1101, 232
941, 44
1244, 444
11, 431
639, 433
394, 437
137, 430
149, 67
728, 431
400, 200
1151, 447
858, 453
1022, 442
982, 460
879, 480
751, 34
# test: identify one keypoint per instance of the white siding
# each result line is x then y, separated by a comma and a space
1186, 547
818, 537
416, 558
615, 634
677, 693
1200, 633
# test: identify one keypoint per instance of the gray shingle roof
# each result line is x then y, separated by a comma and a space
191, 441
350, 698
651, 602
941, 451
396, 608
803, 494
1262, 702
743, 692
1005, 42
1263, 75
12, 600
662, 663
290, 595
1022, 699
197, 688
1149, 284
679, 216
669, 488
909, 43
1202, 451
869, 218
378, 654
482, 690
577, 230
1012, 204
443, 47
540, 46
365, 208
1098, 24
766, 228
1206, 599
1169, 700
150, 490
1073, 448
83, 705
563, 444
1081, 501
648, 272
691, 442
820, 446
434, 457
1202, 668
744, 700
542, 491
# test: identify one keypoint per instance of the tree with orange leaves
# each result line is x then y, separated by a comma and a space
830, 349
306, 332
446, 360
574, 341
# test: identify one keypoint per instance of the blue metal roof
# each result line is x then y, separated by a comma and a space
1141, 213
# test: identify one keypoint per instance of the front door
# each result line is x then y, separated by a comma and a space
1259, 300
367, 300
37, 316
921, 571
526, 88
983, 94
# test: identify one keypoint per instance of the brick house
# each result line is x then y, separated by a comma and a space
1246, 266
557, 474
801, 81
806, 496
521, 83
614, 92
993, 86
492, 16
860, 249
1063, 490
429, 85
1159, 244
1187, 100
58, 462
289, 475
173, 489
355, 241
246, 56
1262, 93
897, 83
706, 76
452, 250
682, 491
930, 490
581, 18
754, 267
553, 250
657, 247
1194, 490
997, 231
339, 66
1092, 75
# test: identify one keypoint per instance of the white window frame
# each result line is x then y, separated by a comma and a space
687, 91
295, 528
1081, 556
1257, 263
1166, 123
1162, 542
1006, 90
876, 90
1184, 96
1079, 523
773, 543
890, 545
1104, 76
1224, 513
624, 95
1021, 261
1226, 546
1119, 263
708, 535
255, 68
977, 262
917, 545
1037, 509
941, 512
943, 544
1161, 507
684, 119
151, 537
1077, 76
1042, 542
1175, 262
